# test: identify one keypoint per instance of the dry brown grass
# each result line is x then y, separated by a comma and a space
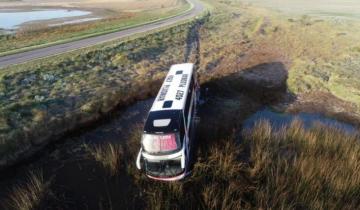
240, 35
223, 177
218, 181
288, 168
302, 168
29, 195
108, 155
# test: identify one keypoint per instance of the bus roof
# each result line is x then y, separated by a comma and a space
173, 92
173, 118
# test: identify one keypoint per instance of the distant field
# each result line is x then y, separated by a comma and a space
325, 8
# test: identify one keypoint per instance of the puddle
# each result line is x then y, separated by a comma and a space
279, 120
12, 20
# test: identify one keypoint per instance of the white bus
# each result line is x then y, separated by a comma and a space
168, 130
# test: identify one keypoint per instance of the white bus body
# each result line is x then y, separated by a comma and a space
167, 138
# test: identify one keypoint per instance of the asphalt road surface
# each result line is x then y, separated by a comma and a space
66, 47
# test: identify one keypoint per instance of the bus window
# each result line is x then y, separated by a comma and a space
182, 128
188, 100
191, 115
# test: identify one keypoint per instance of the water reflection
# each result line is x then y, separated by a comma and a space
278, 120
12, 20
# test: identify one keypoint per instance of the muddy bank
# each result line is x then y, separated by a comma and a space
328, 105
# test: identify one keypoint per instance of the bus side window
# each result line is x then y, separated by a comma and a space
188, 100
182, 128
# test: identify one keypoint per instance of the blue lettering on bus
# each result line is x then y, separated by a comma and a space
163, 92
183, 80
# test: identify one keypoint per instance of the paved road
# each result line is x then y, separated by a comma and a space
62, 48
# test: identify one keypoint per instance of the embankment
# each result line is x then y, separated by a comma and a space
49, 100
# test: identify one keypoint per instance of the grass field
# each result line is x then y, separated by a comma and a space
290, 168
236, 37
318, 8
116, 15
113, 5
260, 168
81, 86
249, 48
321, 55
244, 49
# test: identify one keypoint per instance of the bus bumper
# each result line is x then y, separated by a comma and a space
169, 179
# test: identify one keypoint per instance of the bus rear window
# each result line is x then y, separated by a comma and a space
164, 143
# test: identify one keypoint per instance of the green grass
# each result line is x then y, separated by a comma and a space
255, 26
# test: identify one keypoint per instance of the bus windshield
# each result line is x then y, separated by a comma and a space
161, 143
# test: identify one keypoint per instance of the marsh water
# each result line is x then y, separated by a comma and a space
278, 120
13, 19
